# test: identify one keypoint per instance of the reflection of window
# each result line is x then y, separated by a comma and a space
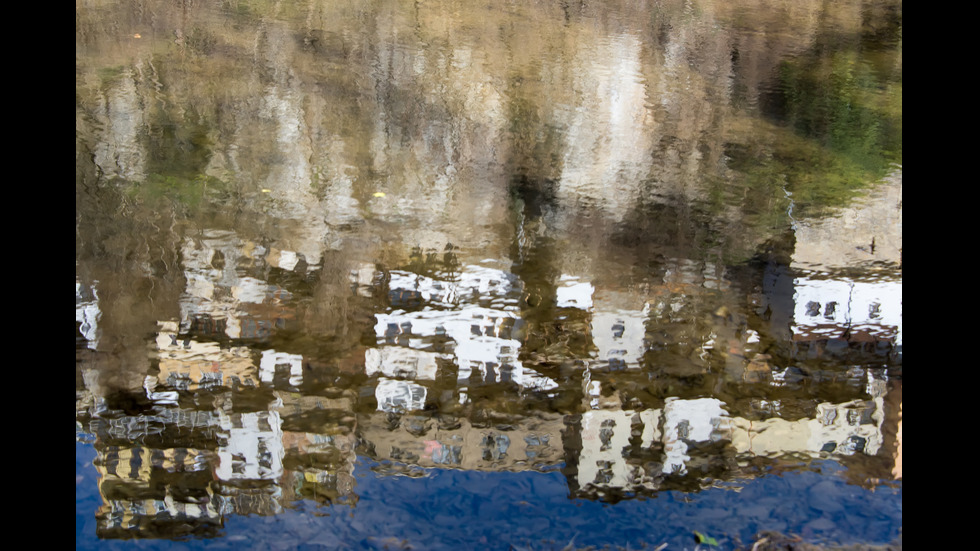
874, 310
854, 444
830, 310
179, 381
495, 447
447, 455
398, 454
604, 475
606, 434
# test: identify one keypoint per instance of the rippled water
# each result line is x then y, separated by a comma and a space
512, 275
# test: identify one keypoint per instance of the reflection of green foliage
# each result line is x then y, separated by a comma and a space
180, 147
191, 194
840, 103
110, 75
843, 123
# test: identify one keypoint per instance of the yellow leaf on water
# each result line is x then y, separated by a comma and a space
379, 194
266, 190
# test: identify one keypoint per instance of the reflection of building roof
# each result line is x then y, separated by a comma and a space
869, 230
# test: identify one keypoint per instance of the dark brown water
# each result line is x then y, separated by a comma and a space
449, 275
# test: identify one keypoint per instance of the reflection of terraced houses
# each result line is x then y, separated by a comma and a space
216, 463
637, 451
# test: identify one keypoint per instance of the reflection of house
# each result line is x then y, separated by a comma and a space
842, 429
137, 499
849, 282
471, 319
319, 442
605, 434
535, 443
251, 447
219, 299
623, 451
186, 364
87, 314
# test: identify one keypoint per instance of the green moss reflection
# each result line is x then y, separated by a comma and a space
840, 120
188, 195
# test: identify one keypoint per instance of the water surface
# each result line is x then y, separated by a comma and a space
445, 275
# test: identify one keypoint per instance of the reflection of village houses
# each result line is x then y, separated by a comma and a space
456, 378
445, 386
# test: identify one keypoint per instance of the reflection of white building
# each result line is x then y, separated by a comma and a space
87, 313
273, 362
477, 312
619, 328
700, 420
401, 362
397, 396
863, 310
608, 438
605, 440
218, 289
251, 448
